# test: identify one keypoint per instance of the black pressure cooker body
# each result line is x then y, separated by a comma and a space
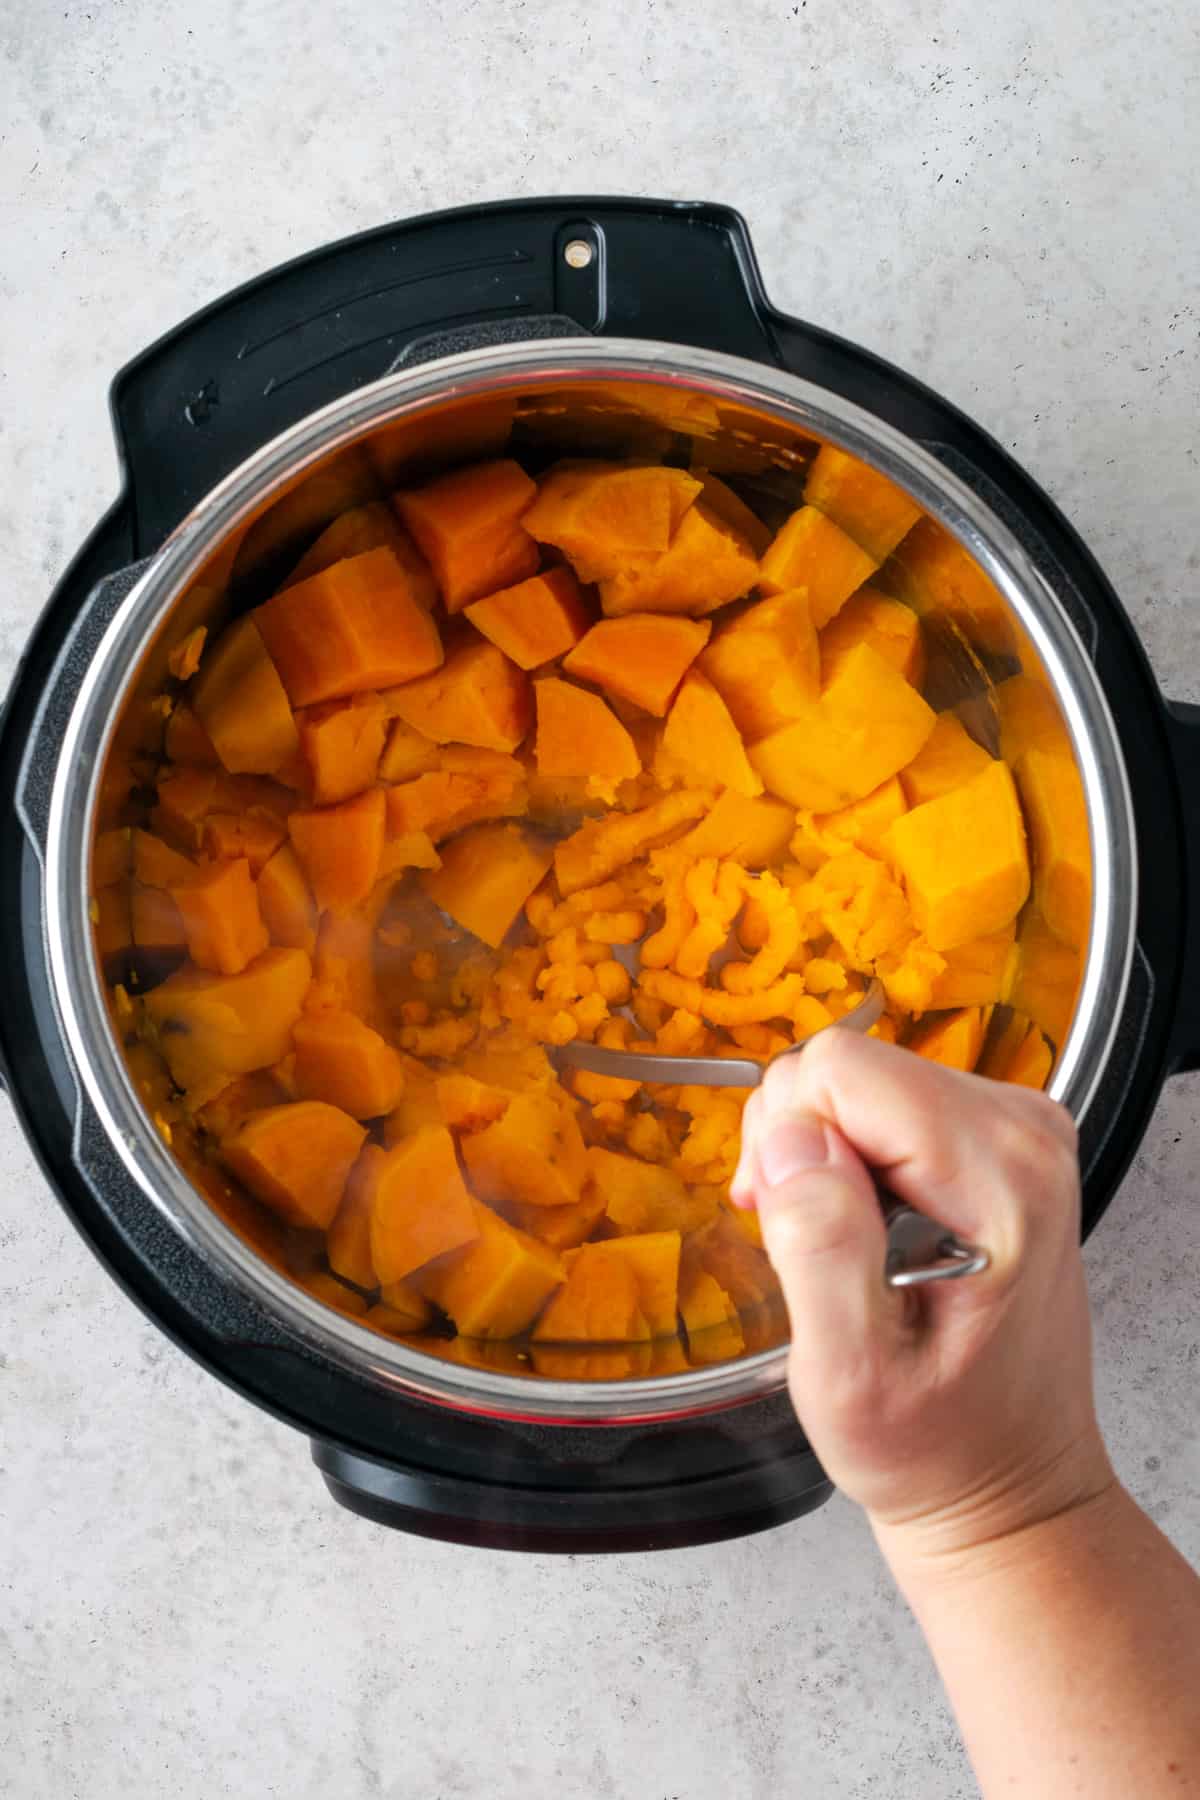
191, 409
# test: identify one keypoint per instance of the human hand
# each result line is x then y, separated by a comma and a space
960, 1412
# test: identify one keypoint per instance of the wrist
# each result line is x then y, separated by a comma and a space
1004, 1526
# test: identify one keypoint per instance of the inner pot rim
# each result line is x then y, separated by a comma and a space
77, 979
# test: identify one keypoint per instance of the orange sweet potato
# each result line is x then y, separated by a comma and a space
701, 741
339, 848
868, 507
187, 795
369, 527
813, 553
341, 1060
112, 856
477, 697
640, 1197
496, 1286
652, 1257
342, 744
420, 1207
707, 564
224, 836
766, 664
219, 908
536, 621
348, 1239
296, 1159
407, 752
241, 704
892, 629
1056, 815
533, 1153
936, 574
344, 963
468, 526
286, 903
977, 973
605, 517
963, 859
598, 1303
720, 498
578, 735
867, 724
352, 627
156, 921
948, 757
487, 874
156, 864
471, 785
954, 1039
1029, 718
186, 740
602, 846
753, 832
641, 658
1047, 976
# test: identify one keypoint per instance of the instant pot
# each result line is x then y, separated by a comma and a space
578, 323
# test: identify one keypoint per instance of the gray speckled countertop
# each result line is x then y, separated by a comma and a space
1003, 199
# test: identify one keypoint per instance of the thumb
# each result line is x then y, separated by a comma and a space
824, 1232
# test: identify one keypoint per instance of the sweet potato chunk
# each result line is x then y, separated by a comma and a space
1029, 719
641, 658
892, 629
599, 1302
813, 553
349, 628
702, 741
407, 752
219, 908
710, 1318
478, 697
936, 574
653, 1259
1047, 977
605, 517
187, 796
296, 1159
707, 564
954, 1040
471, 785
1056, 815
868, 507
753, 832
241, 704
186, 740
342, 1061
156, 864
370, 527
602, 846
720, 499
499, 1284
156, 921
339, 848
420, 1207
226, 836
867, 724
977, 973
468, 526
112, 856
486, 877
212, 1027
577, 734
348, 1239
536, 621
532, 1153
948, 758
342, 745
963, 859
766, 664
640, 1197
286, 903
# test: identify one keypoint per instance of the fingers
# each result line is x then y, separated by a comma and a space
825, 1235
983, 1157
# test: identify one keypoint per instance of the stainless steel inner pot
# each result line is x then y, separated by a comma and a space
433, 415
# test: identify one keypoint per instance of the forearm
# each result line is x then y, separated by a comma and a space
1070, 1653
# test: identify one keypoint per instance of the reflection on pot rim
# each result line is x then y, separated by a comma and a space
779, 398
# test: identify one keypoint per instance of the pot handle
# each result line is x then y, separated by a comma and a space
1183, 727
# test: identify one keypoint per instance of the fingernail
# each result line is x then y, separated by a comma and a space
790, 1148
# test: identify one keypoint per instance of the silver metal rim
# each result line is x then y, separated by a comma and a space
733, 380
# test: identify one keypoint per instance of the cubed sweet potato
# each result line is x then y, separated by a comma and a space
497, 1285
948, 758
286, 902
296, 1159
241, 704
469, 528
701, 742
578, 735
419, 1204
219, 908
487, 874
532, 1153
477, 697
868, 507
892, 629
342, 743
605, 517
953, 1039
343, 1061
963, 859
209, 1025
1056, 815
936, 574
369, 527
766, 664
706, 565
354, 626
641, 658
339, 848
813, 553
867, 724
598, 1303
535, 621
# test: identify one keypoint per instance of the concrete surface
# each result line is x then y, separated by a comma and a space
1004, 199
